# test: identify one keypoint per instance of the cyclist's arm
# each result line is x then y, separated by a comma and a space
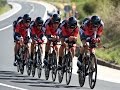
32, 32
63, 32
100, 31
48, 33
17, 34
75, 35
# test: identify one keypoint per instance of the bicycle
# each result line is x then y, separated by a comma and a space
52, 62
37, 58
89, 65
23, 54
66, 65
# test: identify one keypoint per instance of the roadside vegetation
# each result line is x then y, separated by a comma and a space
4, 6
109, 11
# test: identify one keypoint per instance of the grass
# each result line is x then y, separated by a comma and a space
4, 9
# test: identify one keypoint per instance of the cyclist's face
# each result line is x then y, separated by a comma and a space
39, 26
71, 29
95, 28
27, 23
55, 25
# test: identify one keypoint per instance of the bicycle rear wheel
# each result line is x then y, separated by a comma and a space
92, 71
47, 71
68, 68
22, 66
33, 70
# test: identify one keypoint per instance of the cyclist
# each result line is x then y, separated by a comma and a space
84, 21
36, 33
87, 34
15, 24
21, 30
69, 33
51, 34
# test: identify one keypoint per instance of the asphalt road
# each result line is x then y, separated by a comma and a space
10, 79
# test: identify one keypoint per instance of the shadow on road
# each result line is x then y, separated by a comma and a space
56, 86
11, 75
33, 82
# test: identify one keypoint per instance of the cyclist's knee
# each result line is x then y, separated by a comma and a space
47, 47
56, 48
73, 51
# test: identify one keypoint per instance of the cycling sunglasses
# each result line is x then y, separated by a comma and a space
71, 27
56, 22
39, 24
27, 21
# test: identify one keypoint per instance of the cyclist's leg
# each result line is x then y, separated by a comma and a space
16, 48
73, 51
41, 45
73, 48
61, 51
83, 41
32, 49
82, 49
29, 49
47, 48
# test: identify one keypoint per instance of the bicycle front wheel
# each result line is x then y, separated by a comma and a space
48, 67
62, 70
39, 64
81, 76
28, 67
92, 71
68, 68
28, 63
34, 64
54, 65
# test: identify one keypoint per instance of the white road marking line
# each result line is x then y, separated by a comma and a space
10, 86
5, 27
32, 8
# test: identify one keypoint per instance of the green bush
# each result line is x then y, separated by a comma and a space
90, 7
3, 3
